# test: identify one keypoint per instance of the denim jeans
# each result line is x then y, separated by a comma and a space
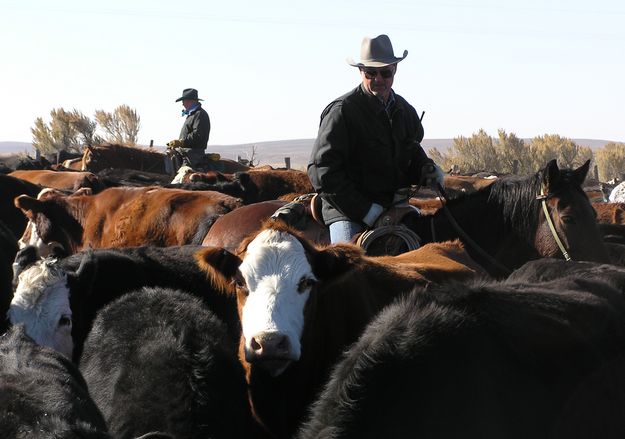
343, 231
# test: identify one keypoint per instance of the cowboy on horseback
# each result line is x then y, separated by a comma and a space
368, 147
189, 148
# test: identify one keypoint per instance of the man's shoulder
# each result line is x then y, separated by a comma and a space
349, 98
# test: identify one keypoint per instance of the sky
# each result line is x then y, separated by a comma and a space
266, 69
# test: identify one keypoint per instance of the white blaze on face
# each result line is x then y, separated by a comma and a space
278, 278
41, 303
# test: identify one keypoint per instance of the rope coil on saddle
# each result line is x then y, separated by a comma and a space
410, 238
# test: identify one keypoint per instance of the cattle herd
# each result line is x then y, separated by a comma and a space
210, 304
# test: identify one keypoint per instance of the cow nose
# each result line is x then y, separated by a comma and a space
270, 345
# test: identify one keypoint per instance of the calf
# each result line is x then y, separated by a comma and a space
57, 299
170, 367
487, 361
124, 217
42, 394
12, 216
63, 180
301, 305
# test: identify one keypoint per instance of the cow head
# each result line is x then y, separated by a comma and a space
42, 300
41, 303
277, 274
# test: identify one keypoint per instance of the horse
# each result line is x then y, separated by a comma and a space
99, 157
502, 225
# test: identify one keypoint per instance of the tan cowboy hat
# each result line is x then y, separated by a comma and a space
376, 52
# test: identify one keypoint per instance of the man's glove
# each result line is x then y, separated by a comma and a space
432, 176
177, 143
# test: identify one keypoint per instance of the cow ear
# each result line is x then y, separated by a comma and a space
333, 261
29, 205
219, 259
83, 191
579, 174
84, 277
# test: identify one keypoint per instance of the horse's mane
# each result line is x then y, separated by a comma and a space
516, 196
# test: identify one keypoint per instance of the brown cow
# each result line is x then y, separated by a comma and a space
124, 217
64, 180
256, 185
301, 305
610, 213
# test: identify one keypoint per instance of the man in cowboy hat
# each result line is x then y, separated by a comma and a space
189, 148
368, 147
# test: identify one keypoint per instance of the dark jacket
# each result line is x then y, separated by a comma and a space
196, 128
362, 155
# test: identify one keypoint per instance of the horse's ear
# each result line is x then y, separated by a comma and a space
579, 174
551, 174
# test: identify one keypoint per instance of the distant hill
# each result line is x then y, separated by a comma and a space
273, 152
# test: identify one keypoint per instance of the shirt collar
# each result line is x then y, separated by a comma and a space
191, 110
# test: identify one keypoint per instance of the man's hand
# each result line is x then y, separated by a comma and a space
432, 176
177, 143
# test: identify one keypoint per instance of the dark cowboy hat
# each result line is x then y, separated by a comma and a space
189, 93
376, 52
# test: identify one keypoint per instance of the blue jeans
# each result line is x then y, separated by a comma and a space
343, 231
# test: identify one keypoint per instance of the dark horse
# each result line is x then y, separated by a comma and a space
100, 157
504, 221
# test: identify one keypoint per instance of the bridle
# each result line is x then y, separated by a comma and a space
542, 197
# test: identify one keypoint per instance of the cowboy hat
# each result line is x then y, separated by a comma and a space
189, 93
376, 52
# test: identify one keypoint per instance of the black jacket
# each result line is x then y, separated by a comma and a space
362, 155
196, 128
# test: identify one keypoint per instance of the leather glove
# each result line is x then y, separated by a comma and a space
177, 143
432, 175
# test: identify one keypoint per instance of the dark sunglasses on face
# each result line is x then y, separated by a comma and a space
372, 73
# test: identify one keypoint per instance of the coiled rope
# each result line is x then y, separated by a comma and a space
409, 238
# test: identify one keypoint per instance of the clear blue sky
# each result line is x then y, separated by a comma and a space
266, 69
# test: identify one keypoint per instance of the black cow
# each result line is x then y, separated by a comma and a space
42, 394
8, 250
483, 361
159, 359
11, 187
71, 290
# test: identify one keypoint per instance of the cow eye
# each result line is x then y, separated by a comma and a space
65, 321
305, 284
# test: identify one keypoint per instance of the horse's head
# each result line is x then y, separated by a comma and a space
567, 222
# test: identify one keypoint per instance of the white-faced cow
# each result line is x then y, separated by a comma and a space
301, 305
123, 217
57, 299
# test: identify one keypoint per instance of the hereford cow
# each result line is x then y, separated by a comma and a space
301, 305
485, 361
42, 394
123, 217
171, 367
11, 187
64, 180
57, 299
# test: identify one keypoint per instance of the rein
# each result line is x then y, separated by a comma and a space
543, 200
462, 233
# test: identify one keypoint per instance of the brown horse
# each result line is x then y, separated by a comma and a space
503, 221
99, 157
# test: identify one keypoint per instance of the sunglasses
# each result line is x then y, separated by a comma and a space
372, 73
